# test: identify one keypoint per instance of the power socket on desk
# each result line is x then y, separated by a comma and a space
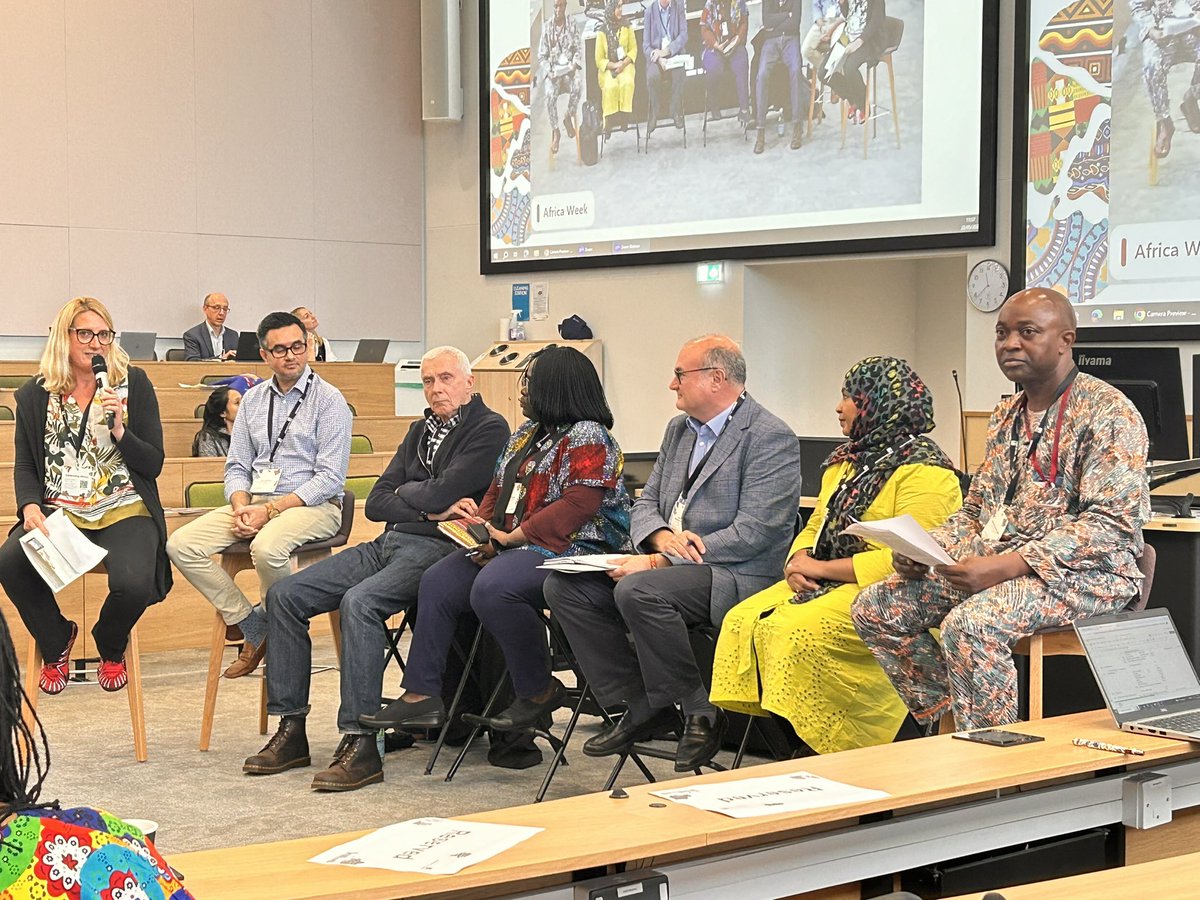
1146, 800
642, 884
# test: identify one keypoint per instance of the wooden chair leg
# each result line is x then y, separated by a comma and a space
946, 724
812, 97
215, 653
33, 668
1153, 155
895, 108
1036, 675
137, 710
869, 110
335, 627
262, 703
842, 107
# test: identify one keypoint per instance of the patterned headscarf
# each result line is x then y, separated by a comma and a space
612, 28
895, 411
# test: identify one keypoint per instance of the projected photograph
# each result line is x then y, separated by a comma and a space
619, 128
1114, 166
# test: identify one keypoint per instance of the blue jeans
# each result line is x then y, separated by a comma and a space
506, 595
367, 583
786, 49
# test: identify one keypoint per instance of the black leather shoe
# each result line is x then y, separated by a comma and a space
618, 738
427, 713
356, 764
523, 713
700, 741
287, 749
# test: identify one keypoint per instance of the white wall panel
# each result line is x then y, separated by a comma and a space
33, 278
367, 121
130, 115
254, 117
33, 113
146, 278
382, 278
258, 275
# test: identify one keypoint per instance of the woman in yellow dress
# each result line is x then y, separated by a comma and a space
616, 53
792, 649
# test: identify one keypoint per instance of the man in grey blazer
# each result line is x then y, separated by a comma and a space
211, 339
713, 524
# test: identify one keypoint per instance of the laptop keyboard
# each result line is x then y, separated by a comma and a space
1189, 722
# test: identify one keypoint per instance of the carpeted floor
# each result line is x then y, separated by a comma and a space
202, 800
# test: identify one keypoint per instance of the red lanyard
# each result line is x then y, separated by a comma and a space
1062, 404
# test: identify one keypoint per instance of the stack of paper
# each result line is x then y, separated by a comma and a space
595, 562
904, 536
62, 556
431, 845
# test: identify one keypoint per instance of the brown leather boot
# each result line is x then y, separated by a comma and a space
287, 749
356, 764
797, 135
247, 660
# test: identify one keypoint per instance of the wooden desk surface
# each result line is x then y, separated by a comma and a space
595, 830
1173, 878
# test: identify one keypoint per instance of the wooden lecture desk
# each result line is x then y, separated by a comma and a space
1172, 878
948, 798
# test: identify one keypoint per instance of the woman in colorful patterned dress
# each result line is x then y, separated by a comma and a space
792, 649
77, 854
92, 453
557, 491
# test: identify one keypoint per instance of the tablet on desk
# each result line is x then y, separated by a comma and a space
998, 738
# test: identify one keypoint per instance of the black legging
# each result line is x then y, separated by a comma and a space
848, 82
132, 546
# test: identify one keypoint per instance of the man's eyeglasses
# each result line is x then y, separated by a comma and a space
223, 309
679, 373
297, 349
85, 335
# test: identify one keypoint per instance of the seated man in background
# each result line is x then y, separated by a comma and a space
211, 339
780, 45
1161, 51
284, 479
664, 37
560, 57
713, 522
724, 25
1050, 531
445, 457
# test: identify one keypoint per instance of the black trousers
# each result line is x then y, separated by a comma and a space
132, 546
657, 607
849, 81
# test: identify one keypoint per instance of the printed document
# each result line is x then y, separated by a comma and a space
904, 536
588, 562
64, 555
749, 797
430, 845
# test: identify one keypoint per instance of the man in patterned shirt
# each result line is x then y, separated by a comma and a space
559, 61
1050, 531
284, 479
440, 471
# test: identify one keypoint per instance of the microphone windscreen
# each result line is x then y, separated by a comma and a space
98, 364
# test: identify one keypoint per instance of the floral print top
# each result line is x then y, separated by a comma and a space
110, 495
81, 854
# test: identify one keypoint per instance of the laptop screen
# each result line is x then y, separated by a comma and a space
1138, 660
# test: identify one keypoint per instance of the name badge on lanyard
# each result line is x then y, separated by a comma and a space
78, 480
266, 480
677, 511
994, 528
514, 499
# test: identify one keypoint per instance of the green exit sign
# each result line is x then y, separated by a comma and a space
710, 273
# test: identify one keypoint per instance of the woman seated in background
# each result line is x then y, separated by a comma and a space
318, 348
220, 411
616, 53
792, 649
52, 852
93, 453
557, 491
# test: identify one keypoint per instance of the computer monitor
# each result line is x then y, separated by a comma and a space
813, 453
1152, 379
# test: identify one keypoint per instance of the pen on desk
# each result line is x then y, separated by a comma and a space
1111, 748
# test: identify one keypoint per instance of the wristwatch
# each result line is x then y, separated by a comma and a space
423, 516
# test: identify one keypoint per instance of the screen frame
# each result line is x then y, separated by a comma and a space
989, 110
1020, 188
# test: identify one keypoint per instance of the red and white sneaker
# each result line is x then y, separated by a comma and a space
53, 678
112, 675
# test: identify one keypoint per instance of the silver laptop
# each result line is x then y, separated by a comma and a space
138, 344
371, 350
1144, 672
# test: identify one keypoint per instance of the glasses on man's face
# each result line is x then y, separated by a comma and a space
296, 349
679, 373
211, 306
85, 335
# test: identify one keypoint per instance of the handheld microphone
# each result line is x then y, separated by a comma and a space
100, 370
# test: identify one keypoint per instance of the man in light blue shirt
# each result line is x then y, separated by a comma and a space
284, 478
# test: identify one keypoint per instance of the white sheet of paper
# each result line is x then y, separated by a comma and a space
772, 794
430, 845
587, 562
904, 536
65, 555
